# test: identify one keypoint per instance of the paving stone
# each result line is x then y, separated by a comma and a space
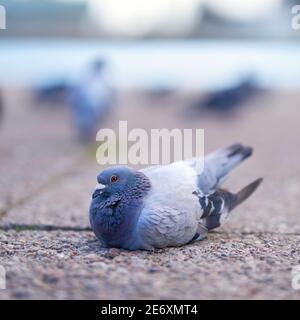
272, 208
64, 203
36, 144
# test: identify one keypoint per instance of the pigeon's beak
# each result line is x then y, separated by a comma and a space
98, 190
100, 186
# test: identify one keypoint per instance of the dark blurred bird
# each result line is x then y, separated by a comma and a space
90, 100
227, 100
52, 92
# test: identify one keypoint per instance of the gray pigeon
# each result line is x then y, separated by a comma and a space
90, 99
164, 206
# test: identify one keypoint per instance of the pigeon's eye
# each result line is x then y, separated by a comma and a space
113, 178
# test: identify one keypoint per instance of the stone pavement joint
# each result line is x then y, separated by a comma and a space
40, 227
48, 227
50, 182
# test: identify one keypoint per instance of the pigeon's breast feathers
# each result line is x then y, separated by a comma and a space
117, 203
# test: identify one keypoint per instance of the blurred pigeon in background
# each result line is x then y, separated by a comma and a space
52, 91
228, 99
168, 205
90, 100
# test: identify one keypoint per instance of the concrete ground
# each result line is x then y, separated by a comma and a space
46, 179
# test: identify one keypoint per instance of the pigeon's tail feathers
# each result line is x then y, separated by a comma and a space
244, 194
230, 157
239, 149
217, 206
218, 164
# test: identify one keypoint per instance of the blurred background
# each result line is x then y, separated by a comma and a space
71, 67
170, 44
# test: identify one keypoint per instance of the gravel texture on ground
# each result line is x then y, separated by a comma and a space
72, 265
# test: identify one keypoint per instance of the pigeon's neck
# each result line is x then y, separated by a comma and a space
138, 188
121, 212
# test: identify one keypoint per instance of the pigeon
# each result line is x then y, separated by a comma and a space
229, 99
166, 205
52, 92
90, 100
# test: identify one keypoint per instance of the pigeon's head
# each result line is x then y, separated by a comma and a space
116, 204
121, 179
115, 179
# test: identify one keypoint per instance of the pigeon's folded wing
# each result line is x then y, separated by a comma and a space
164, 226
